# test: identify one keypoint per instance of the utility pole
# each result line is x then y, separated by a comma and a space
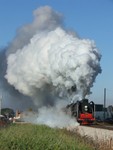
104, 103
0, 104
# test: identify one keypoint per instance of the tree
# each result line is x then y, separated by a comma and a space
7, 112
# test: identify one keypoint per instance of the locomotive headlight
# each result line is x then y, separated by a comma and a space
86, 108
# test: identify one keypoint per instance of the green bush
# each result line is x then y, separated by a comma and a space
40, 137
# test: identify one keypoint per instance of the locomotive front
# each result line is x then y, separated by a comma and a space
86, 112
83, 111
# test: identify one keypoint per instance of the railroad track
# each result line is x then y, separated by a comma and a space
101, 126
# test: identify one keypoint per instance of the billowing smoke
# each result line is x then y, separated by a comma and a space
45, 18
49, 63
55, 60
10, 97
52, 116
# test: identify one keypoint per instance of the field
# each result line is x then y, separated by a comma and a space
40, 137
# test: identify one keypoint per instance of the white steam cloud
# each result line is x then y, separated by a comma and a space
45, 61
54, 58
51, 116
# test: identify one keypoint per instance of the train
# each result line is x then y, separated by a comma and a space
83, 111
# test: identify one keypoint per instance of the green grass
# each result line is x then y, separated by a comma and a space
40, 137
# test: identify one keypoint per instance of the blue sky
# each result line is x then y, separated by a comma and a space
91, 19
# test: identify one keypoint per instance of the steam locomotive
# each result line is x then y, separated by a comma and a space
83, 111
